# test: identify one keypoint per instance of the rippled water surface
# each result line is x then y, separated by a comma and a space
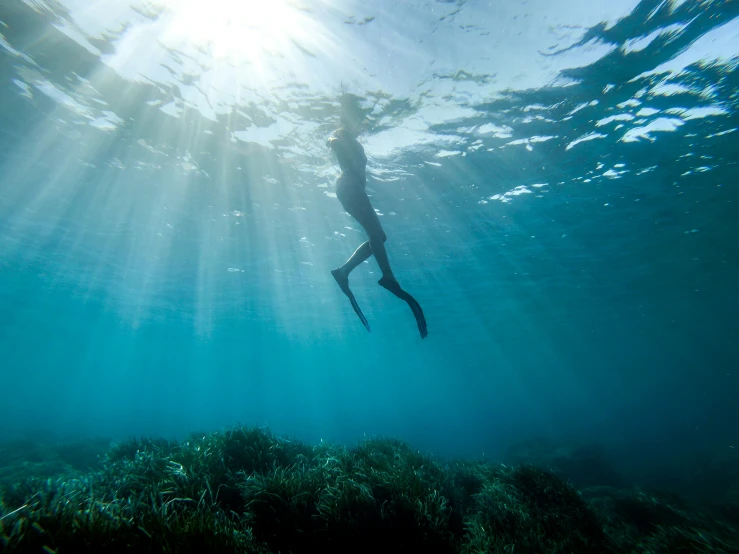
558, 182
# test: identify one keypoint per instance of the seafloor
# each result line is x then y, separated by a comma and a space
246, 490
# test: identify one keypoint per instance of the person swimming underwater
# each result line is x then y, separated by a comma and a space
350, 190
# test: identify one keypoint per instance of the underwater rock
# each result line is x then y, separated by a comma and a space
659, 521
714, 478
584, 465
48, 458
245, 490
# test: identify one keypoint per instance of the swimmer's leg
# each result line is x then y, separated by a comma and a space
342, 277
361, 209
377, 247
393, 286
360, 254
343, 280
377, 240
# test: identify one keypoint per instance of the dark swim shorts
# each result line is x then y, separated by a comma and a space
355, 201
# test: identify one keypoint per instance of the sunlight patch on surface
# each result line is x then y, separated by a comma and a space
664, 124
239, 30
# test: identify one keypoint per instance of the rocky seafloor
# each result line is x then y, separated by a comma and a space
246, 490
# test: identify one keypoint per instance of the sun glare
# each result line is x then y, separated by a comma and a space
239, 30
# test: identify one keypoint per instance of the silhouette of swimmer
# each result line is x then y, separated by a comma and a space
350, 190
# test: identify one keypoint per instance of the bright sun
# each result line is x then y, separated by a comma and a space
240, 30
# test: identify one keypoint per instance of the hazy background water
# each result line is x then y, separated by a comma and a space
558, 182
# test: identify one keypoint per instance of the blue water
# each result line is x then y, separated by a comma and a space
558, 184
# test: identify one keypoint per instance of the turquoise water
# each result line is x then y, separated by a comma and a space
558, 185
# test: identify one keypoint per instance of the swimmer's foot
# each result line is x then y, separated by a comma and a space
393, 286
343, 282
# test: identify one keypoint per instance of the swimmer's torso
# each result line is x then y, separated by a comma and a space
352, 159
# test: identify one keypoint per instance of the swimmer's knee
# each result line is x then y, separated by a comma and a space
381, 236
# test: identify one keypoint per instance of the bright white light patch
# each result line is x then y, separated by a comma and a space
447, 153
640, 43
239, 30
591, 136
498, 132
618, 117
663, 124
697, 113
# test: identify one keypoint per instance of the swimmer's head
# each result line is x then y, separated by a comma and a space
342, 133
352, 115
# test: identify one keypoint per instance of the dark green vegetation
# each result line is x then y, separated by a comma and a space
245, 490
